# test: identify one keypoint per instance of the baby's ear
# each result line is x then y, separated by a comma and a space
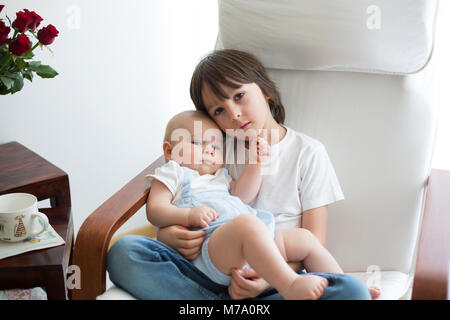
167, 149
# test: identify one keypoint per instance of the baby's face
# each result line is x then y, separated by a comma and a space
199, 145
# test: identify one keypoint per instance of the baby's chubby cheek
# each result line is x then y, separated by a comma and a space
183, 155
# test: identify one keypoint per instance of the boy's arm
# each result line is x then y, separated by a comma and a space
248, 184
160, 211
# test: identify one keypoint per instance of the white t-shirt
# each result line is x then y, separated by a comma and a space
298, 177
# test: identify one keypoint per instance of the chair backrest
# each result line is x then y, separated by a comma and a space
377, 124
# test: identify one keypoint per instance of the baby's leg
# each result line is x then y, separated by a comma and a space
301, 245
247, 239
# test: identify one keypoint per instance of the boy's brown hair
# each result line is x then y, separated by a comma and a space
233, 68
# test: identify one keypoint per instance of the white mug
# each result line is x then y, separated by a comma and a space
17, 213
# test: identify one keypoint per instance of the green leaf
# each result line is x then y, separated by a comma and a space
12, 75
18, 84
28, 74
3, 57
3, 90
45, 71
4, 64
34, 65
7, 82
21, 64
28, 55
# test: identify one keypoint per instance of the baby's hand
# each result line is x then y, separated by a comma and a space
201, 216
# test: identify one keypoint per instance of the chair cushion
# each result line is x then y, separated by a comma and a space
388, 36
378, 131
115, 293
394, 285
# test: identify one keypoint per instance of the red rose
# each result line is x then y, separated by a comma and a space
21, 45
35, 19
4, 32
1, 7
47, 34
22, 21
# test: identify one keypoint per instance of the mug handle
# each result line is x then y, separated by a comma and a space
44, 219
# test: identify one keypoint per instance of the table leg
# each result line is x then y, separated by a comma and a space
55, 284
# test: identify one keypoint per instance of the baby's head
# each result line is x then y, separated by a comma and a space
192, 139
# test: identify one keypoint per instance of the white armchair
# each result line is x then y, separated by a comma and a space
363, 87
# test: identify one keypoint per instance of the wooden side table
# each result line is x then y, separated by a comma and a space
22, 170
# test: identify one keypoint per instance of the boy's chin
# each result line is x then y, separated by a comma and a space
246, 134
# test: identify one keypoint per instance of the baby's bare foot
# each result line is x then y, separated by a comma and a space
374, 292
307, 287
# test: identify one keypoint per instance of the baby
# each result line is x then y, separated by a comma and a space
193, 189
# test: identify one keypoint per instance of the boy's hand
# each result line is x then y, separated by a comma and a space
263, 149
259, 150
201, 216
188, 243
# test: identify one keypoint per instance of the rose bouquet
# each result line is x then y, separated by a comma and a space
16, 52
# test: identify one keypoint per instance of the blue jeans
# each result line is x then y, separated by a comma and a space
149, 269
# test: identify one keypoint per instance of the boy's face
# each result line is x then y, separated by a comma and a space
243, 115
198, 145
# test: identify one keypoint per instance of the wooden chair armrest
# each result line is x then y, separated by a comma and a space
433, 256
92, 241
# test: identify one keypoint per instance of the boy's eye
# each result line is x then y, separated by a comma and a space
238, 96
215, 147
197, 143
218, 111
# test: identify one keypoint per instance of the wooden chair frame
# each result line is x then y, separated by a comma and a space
432, 265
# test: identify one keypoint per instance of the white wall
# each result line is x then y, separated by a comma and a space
124, 70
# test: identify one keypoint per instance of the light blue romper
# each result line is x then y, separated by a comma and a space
228, 207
